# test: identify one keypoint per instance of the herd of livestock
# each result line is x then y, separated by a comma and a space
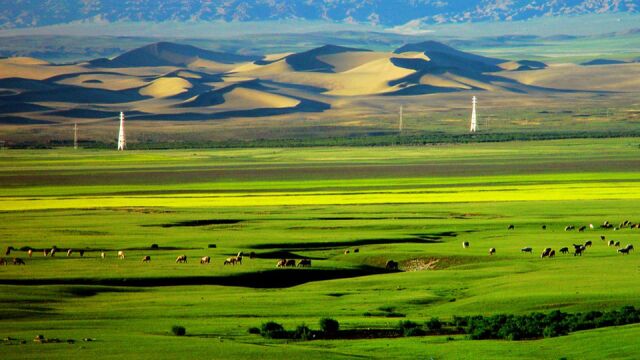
578, 250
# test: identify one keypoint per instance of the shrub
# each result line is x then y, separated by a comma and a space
273, 330
212, 246
254, 330
329, 326
178, 330
434, 324
410, 328
154, 246
302, 332
414, 332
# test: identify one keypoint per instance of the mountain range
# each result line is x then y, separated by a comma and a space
29, 13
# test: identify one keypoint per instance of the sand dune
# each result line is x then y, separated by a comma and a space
104, 81
166, 87
244, 98
348, 60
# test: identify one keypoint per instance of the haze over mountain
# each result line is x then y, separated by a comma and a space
29, 13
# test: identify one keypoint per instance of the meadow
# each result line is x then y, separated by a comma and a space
413, 204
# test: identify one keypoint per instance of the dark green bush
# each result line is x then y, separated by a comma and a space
329, 326
273, 330
302, 332
434, 324
212, 246
154, 246
178, 330
254, 330
410, 328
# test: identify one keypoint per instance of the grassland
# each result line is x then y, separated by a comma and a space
411, 204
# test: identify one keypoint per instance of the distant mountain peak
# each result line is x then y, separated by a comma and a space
29, 13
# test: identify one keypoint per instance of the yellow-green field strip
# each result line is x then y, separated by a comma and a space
539, 192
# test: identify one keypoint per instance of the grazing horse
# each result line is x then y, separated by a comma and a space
290, 263
623, 251
582, 228
239, 259
465, 244
230, 261
146, 259
205, 260
69, 252
121, 255
511, 227
304, 263
545, 253
564, 250
588, 243
182, 259
392, 265
527, 250
281, 263
30, 252
492, 251
18, 261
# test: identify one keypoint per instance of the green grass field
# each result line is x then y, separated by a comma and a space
415, 205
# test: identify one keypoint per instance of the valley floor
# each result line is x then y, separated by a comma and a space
415, 205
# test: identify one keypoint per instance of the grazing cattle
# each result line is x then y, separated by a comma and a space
582, 228
290, 263
465, 244
182, 259
492, 251
392, 265
602, 237
252, 255
527, 250
588, 243
545, 253
617, 244
81, 253
356, 250
205, 260
591, 226
564, 250
623, 251
103, 255
552, 253
18, 261
629, 247
52, 253
610, 243
45, 252
9, 248
30, 253
146, 259
304, 263
511, 227
346, 251
239, 259
568, 228
240, 254
69, 252
229, 261
121, 255
577, 246
281, 263
579, 251
544, 227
